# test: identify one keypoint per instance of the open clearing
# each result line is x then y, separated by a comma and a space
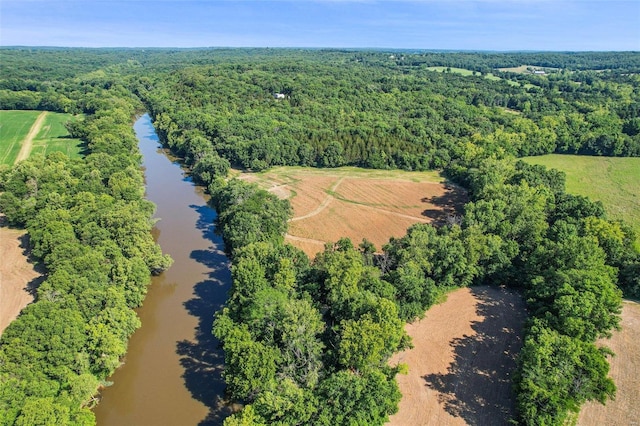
463, 71
25, 132
329, 204
463, 357
614, 181
17, 275
14, 127
624, 410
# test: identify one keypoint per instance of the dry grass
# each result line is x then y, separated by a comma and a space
17, 275
625, 365
329, 204
463, 357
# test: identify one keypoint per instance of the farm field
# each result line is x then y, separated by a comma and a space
463, 357
16, 274
614, 181
462, 71
624, 410
14, 127
526, 69
357, 203
25, 132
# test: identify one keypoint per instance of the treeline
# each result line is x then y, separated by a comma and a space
89, 226
304, 344
520, 229
386, 116
568, 259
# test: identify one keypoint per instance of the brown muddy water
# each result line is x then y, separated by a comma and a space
172, 371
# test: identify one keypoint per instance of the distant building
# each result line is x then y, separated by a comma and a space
279, 96
540, 72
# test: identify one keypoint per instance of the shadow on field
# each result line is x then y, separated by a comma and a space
448, 206
32, 286
477, 385
202, 359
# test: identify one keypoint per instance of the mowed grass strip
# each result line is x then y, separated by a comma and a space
14, 127
614, 181
53, 136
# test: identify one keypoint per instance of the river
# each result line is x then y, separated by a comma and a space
172, 371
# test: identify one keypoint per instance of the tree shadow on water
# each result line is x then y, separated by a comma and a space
202, 359
477, 386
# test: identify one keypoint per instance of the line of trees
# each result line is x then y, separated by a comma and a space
520, 229
90, 227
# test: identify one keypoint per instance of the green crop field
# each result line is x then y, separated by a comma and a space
614, 181
52, 135
14, 126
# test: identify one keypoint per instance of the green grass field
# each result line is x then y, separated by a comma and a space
614, 181
14, 126
466, 72
53, 136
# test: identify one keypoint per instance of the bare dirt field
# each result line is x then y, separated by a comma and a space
625, 366
463, 357
329, 204
17, 275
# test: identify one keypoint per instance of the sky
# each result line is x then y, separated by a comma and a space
504, 25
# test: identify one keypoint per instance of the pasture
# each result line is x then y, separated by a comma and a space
357, 203
463, 71
25, 132
614, 181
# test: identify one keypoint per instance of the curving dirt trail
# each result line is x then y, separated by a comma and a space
27, 143
322, 205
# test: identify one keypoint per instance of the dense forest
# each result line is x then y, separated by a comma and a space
308, 342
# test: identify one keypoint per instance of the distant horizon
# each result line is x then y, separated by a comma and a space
433, 25
353, 49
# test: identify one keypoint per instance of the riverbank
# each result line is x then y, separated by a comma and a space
172, 373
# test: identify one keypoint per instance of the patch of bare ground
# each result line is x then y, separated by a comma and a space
625, 366
27, 143
463, 358
18, 278
329, 204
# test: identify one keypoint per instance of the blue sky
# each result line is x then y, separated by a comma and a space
426, 24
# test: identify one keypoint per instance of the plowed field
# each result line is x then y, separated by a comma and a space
329, 204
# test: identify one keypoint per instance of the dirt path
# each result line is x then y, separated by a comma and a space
624, 410
322, 205
27, 143
16, 275
463, 357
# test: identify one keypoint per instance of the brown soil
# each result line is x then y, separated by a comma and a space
27, 143
625, 365
331, 204
463, 357
18, 277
